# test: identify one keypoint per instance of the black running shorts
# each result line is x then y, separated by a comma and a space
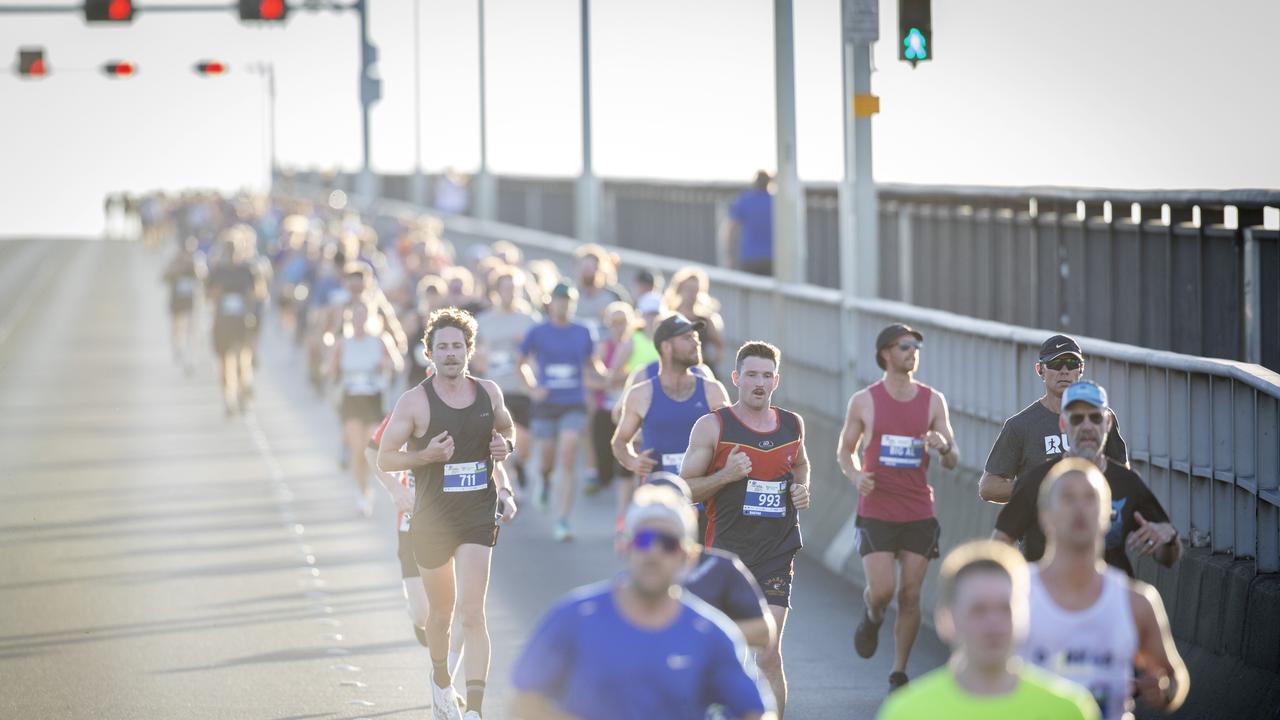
918, 536
774, 577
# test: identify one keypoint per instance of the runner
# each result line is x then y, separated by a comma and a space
182, 275
638, 648
1090, 623
1138, 521
457, 430
620, 321
689, 294
502, 328
361, 366
664, 409
748, 463
982, 613
235, 288
1033, 436
563, 352
888, 430
721, 580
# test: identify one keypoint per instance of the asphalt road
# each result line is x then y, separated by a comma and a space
159, 561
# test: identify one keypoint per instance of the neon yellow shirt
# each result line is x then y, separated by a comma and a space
1038, 696
642, 351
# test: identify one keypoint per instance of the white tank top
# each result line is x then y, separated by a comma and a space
361, 365
1094, 647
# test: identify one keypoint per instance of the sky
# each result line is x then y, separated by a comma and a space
1098, 93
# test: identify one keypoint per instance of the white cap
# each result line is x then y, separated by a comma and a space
656, 502
649, 304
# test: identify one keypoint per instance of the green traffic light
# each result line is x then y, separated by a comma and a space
916, 45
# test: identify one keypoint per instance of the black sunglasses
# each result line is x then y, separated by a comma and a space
1077, 418
1065, 363
906, 345
645, 540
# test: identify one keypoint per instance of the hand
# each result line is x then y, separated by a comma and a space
737, 466
800, 495
539, 394
1154, 688
498, 447
439, 450
864, 481
507, 506
1150, 536
403, 498
643, 464
936, 441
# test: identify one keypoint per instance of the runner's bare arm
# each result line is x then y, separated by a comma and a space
941, 437
1163, 680
699, 455
995, 488
851, 438
634, 406
411, 408
618, 368
717, 396
1002, 537
388, 482
502, 422
391, 356
800, 496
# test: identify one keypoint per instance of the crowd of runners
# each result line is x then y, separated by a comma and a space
469, 381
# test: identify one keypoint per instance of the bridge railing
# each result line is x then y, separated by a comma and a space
1194, 272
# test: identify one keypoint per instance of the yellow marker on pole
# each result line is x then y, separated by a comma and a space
865, 105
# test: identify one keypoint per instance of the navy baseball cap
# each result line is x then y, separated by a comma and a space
1085, 391
564, 290
673, 326
1059, 345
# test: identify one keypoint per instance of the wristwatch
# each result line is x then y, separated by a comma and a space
511, 444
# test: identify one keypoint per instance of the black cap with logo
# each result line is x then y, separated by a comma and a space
674, 325
1059, 345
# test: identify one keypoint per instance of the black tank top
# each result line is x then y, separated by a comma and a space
459, 493
755, 517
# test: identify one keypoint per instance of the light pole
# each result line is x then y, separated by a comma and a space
485, 189
789, 240
588, 220
268, 72
418, 186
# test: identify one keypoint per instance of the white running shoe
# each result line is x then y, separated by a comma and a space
444, 702
472, 715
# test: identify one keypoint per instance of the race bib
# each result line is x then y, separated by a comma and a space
765, 499
671, 462
501, 364
233, 304
185, 286
561, 376
465, 477
901, 451
361, 383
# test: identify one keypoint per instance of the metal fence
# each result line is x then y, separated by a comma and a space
1161, 269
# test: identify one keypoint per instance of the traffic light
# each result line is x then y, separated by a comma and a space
31, 63
210, 68
108, 10
269, 10
119, 69
915, 31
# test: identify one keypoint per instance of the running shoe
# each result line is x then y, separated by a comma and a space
897, 680
473, 715
444, 703
867, 636
562, 532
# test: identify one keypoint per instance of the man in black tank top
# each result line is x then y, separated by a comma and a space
748, 463
458, 431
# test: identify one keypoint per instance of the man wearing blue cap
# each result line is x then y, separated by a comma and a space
1138, 521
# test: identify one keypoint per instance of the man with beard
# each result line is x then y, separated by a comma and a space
748, 463
1032, 436
640, 647
1089, 623
889, 429
1136, 517
457, 430
664, 409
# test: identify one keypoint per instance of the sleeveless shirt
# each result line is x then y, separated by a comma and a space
1093, 647
896, 453
755, 517
667, 425
458, 493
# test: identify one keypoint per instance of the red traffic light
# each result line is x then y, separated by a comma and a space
211, 67
269, 10
120, 69
108, 10
31, 63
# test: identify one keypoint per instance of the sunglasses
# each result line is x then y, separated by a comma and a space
1066, 363
646, 540
1077, 418
906, 345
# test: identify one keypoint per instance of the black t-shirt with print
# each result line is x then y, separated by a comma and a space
1020, 519
1033, 437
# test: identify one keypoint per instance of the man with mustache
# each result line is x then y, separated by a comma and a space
1032, 436
1138, 521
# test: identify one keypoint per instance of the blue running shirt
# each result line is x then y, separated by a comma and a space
559, 352
594, 664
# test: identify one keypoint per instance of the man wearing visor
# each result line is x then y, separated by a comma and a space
1032, 437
